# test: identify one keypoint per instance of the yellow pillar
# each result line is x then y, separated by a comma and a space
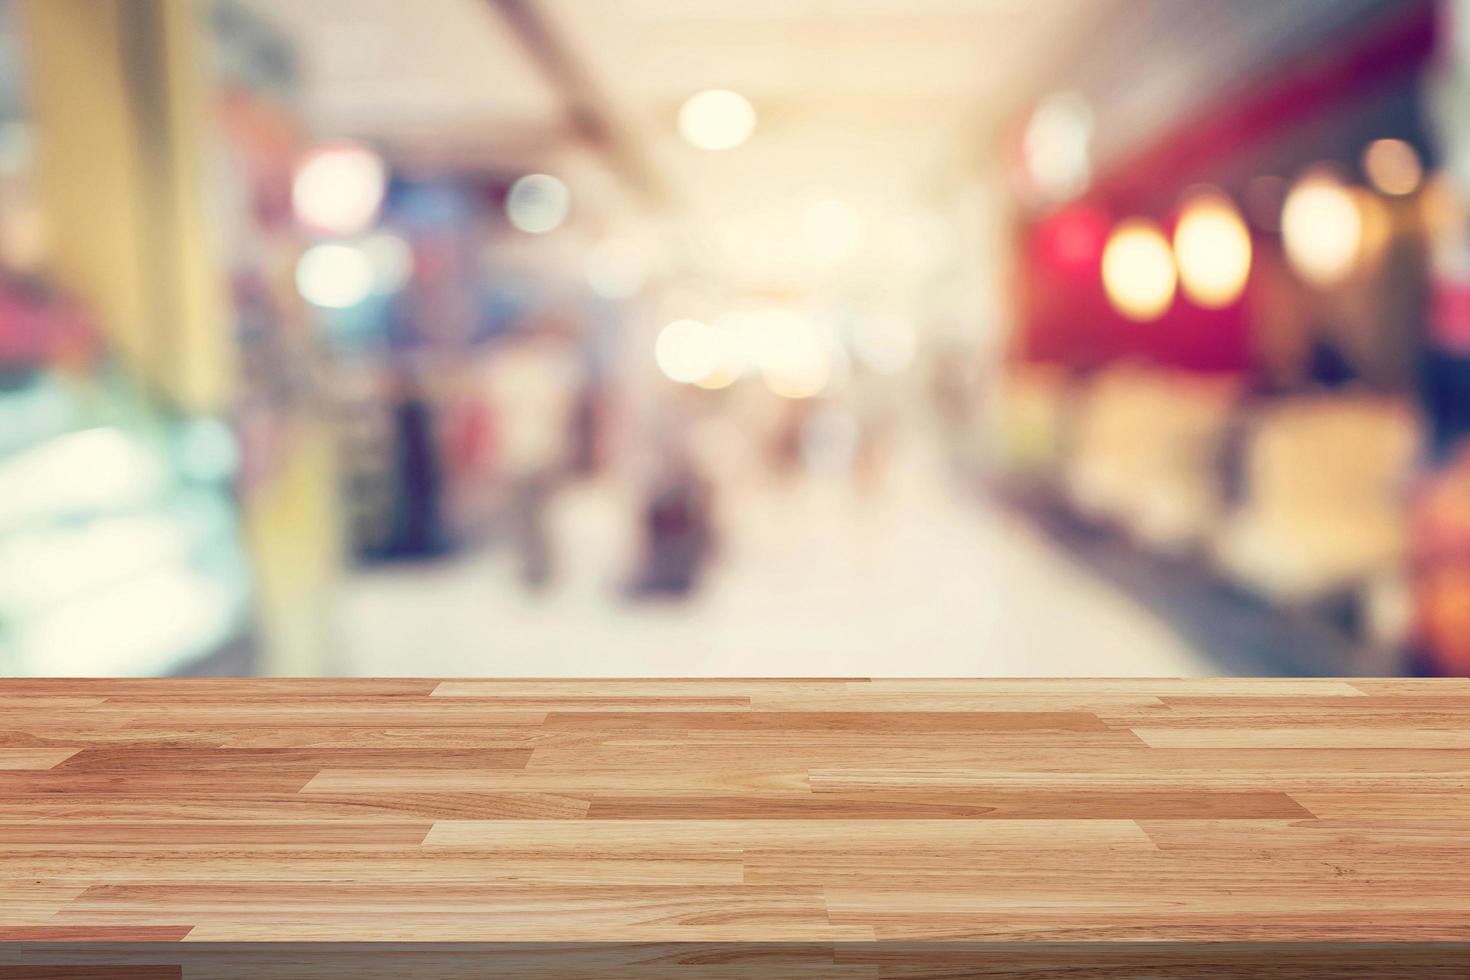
119, 106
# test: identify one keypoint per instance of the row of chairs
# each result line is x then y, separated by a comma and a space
1295, 498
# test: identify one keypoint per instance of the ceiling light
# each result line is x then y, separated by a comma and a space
716, 119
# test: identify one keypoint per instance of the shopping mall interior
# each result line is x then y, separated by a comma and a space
745, 338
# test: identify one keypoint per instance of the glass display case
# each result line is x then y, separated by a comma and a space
120, 552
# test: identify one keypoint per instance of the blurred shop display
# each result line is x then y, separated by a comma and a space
121, 549
120, 545
397, 298
1441, 532
1234, 371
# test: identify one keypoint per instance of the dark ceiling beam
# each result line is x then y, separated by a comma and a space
588, 113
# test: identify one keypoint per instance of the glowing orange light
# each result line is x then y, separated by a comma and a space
1138, 270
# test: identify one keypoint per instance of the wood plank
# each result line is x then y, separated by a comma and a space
1239, 770
1299, 737
1328, 804
33, 900
376, 807
87, 835
890, 804
673, 781
730, 836
34, 758
1270, 687
59, 782
801, 753
898, 722
134, 759
665, 690
62, 932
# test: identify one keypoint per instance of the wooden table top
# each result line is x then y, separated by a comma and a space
734, 810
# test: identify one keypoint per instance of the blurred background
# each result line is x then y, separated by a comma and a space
734, 337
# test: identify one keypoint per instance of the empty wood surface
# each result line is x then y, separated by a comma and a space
735, 810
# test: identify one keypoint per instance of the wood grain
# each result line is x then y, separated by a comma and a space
762, 810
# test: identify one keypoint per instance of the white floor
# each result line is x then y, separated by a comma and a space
812, 581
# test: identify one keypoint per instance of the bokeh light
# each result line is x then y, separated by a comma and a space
1057, 145
338, 189
1073, 238
537, 203
687, 351
1393, 166
1444, 211
731, 358
716, 119
1138, 270
1321, 228
334, 276
1213, 249
1377, 227
795, 360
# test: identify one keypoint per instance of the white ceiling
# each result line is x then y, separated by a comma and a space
416, 72
869, 101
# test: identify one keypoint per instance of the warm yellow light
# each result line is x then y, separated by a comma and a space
804, 379
1213, 250
687, 351
717, 379
1138, 270
716, 119
1393, 166
731, 358
1322, 229
334, 276
1443, 209
1377, 227
794, 358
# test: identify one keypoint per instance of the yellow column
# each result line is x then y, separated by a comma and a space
119, 106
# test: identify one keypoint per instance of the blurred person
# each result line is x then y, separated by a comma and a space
532, 390
677, 529
675, 520
417, 527
1328, 365
784, 448
954, 390
876, 406
829, 441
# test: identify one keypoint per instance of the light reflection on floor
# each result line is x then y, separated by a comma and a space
812, 581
